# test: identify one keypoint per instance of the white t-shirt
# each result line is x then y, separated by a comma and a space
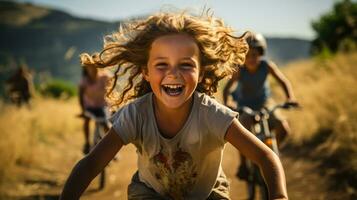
186, 165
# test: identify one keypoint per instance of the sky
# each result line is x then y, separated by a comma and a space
277, 18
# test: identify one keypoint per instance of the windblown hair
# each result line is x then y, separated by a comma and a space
128, 51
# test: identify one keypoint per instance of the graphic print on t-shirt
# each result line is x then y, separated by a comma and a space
176, 172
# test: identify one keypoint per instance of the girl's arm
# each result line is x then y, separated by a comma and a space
260, 154
91, 165
283, 81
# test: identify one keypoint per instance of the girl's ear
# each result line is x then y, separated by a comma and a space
200, 78
144, 72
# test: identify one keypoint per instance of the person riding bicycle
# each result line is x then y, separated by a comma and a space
253, 90
92, 99
20, 86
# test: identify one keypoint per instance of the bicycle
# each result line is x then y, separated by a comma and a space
98, 134
260, 128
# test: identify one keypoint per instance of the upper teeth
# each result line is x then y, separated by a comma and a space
173, 86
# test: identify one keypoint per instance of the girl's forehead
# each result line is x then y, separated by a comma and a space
180, 42
174, 38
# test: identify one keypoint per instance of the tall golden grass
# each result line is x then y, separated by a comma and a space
327, 92
326, 127
28, 133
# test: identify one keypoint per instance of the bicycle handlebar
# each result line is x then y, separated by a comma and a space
93, 117
286, 106
249, 111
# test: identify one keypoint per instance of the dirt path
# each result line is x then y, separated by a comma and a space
45, 183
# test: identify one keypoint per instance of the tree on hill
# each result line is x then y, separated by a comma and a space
337, 29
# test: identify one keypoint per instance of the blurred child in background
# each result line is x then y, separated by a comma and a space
92, 99
253, 90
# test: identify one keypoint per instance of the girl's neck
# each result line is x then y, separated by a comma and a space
171, 120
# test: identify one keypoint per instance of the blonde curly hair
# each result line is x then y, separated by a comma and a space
128, 50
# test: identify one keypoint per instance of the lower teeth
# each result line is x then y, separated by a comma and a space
173, 92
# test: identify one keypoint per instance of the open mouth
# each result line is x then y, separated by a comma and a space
173, 90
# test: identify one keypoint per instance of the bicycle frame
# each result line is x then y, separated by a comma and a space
260, 128
98, 128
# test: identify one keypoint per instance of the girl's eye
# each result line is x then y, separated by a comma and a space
161, 65
186, 65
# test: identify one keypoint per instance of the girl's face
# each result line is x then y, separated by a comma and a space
252, 59
173, 70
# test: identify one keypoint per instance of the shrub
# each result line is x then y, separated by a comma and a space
337, 28
59, 89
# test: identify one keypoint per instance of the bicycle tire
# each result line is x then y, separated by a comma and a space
97, 136
102, 180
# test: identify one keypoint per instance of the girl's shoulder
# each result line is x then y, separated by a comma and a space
214, 116
210, 104
205, 100
141, 103
135, 109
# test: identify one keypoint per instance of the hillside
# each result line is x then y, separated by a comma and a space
49, 41
285, 50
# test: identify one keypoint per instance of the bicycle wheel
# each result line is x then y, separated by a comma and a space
251, 180
251, 190
256, 179
102, 180
263, 190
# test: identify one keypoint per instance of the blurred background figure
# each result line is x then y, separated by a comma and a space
92, 100
253, 90
19, 87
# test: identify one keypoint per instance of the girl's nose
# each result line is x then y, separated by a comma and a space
173, 72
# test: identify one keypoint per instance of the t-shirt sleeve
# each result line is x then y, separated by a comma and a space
125, 123
219, 118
